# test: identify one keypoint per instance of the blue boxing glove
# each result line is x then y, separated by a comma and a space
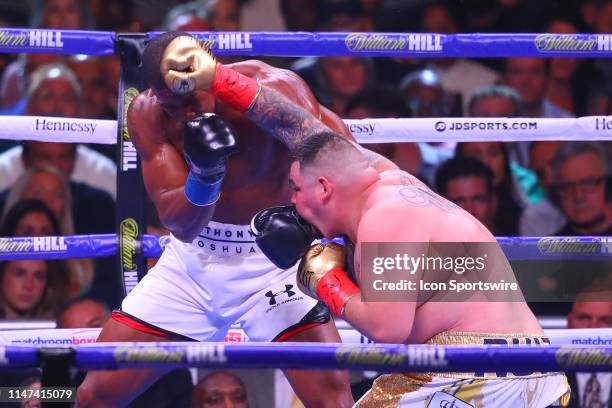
283, 235
208, 141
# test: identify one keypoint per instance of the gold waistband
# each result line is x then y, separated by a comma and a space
481, 339
491, 339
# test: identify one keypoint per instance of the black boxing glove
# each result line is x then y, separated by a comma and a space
283, 235
208, 141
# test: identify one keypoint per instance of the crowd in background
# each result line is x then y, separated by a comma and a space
515, 189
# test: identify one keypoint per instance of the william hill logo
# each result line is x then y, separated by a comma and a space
234, 41
385, 42
33, 38
573, 42
129, 158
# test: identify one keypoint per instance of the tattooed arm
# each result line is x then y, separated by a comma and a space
284, 119
289, 112
290, 123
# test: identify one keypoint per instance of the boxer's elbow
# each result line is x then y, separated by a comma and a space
384, 331
182, 218
389, 335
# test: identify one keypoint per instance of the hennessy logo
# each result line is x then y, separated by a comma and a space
129, 233
273, 296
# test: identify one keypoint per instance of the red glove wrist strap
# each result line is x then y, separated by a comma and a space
237, 90
335, 289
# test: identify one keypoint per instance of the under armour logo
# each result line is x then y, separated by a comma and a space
273, 296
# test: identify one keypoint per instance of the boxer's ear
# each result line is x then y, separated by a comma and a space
325, 188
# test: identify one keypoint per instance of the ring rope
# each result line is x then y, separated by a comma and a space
518, 360
54, 129
152, 246
297, 44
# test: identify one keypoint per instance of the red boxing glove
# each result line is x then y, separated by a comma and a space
335, 289
235, 89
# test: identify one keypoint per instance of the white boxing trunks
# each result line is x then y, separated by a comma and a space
470, 390
197, 290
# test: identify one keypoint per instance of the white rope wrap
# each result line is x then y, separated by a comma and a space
53, 129
67, 337
365, 130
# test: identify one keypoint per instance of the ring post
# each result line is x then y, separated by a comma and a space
130, 187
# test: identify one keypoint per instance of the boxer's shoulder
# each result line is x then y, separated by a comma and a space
386, 220
146, 119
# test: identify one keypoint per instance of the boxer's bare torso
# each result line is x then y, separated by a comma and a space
419, 215
256, 175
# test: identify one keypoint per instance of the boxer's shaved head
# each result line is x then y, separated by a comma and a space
328, 154
327, 172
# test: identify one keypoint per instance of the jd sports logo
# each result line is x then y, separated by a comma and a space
273, 296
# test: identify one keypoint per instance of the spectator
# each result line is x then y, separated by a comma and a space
83, 312
171, 390
112, 69
15, 79
568, 85
545, 217
29, 218
116, 15
49, 14
340, 78
495, 156
31, 289
49, 185
300, 15
468, 183
60, 14
32, 218
220, 389
580, 173
502, 101
426, 98
343, 15
187, 17
591, 311
458, 75
530, 77
224, 15
54, 91
494, 101
602, 77
32, 401
386, 102
90, 73
425, 95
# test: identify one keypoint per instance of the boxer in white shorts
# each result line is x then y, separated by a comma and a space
195, 292
224, 259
